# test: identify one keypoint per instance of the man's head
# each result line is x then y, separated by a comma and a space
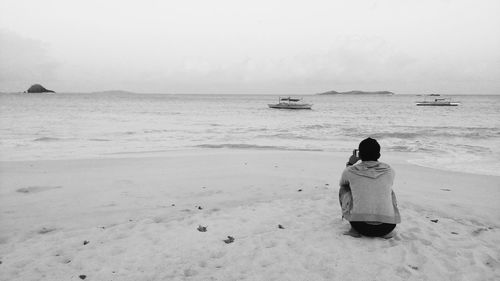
369, 150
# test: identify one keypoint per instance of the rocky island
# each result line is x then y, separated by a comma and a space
384, 93
37, 88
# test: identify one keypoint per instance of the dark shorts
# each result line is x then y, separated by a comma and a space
373, 230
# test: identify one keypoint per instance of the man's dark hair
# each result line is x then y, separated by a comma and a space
369, 150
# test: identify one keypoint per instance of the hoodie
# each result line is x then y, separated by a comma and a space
366, 193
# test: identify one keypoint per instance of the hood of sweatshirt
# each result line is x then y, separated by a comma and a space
370, 169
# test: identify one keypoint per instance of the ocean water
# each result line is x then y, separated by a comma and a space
65, 126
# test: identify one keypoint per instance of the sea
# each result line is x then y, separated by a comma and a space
463, 138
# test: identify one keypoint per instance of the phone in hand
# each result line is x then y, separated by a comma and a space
356, 153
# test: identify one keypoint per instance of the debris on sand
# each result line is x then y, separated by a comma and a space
280, 226
299, 190
202, 228
435, 220
230, 239
83, 277
85, 242
413, 267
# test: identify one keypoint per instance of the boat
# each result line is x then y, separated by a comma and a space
438, 102
290, 103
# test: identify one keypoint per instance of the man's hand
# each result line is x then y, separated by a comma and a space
354, 158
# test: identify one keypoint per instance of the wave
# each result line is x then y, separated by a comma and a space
253, 146
395, 135
160, 112
289, 136
468, 163
154, 131
99, 140
477, 133
408, 148
316, 126
47, 139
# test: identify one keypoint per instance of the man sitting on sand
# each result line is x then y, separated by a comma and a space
366, 195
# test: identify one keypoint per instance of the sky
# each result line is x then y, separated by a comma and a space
251, 47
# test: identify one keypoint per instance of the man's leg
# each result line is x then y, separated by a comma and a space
372, 230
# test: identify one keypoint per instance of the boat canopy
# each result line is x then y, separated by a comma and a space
289, 99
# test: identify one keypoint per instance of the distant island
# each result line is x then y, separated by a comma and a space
37, 88
384, 93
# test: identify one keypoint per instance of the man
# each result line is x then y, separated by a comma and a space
366, 195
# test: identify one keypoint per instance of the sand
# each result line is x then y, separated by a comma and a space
136, 217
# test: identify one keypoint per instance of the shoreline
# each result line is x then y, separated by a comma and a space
410, 158
136, 207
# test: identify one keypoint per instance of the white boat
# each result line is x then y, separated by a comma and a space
437, 102
290, 103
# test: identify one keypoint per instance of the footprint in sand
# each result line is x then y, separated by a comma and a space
35, 189
479, 231
490, 261
217, 255
271, 244
45, 230
123, 182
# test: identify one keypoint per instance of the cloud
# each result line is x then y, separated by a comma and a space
24, 62
354, 62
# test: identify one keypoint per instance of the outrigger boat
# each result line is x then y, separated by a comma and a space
437, 102
290, 103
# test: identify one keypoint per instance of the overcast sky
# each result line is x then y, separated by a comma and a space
269, 47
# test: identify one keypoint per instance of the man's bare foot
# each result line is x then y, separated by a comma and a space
353, 233
388, 235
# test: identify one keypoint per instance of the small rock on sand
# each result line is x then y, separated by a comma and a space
280, 226
202, 228
83, 277
86, 242
435, 220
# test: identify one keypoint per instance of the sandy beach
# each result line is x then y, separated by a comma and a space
136, 217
